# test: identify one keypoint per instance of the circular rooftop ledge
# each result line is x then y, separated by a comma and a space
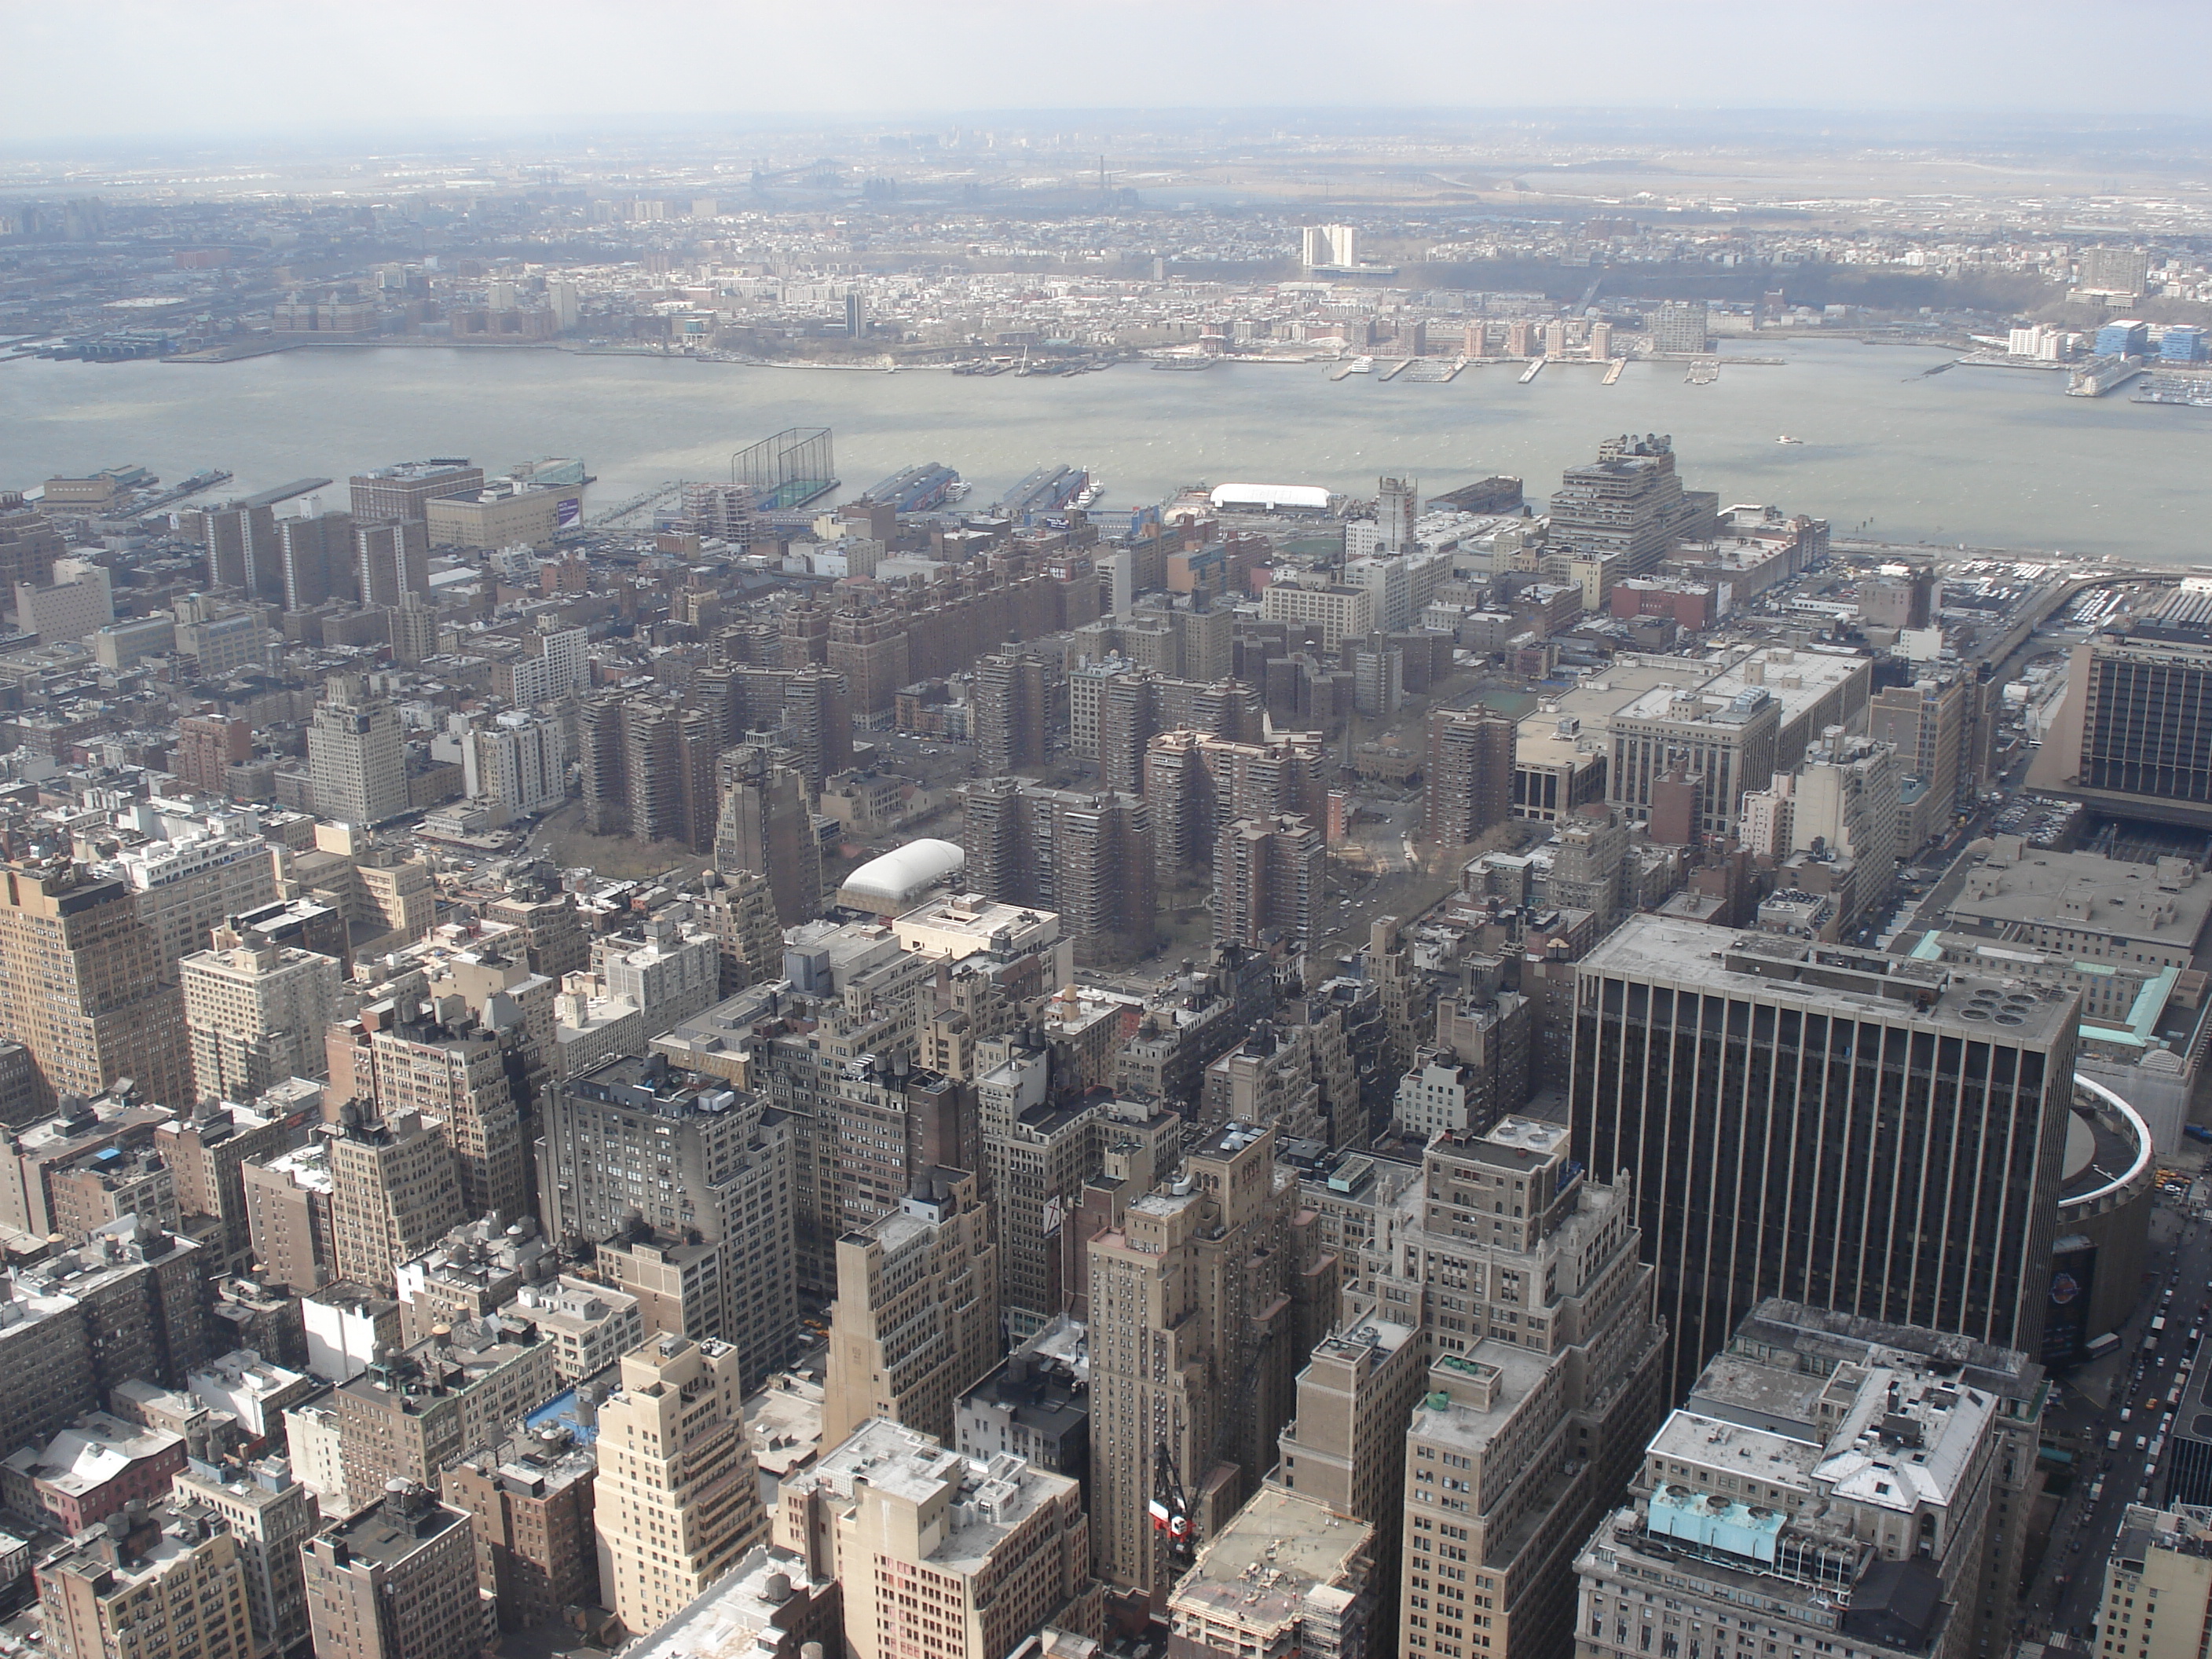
2132, 1120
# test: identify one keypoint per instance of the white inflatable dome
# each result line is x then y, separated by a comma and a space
904, 873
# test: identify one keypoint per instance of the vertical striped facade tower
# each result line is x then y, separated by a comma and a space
1842, 1129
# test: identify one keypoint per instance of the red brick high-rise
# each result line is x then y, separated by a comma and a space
208, 746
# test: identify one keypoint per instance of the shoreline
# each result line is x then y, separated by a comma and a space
220, 355
1917, 462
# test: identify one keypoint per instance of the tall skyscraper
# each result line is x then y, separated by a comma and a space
553, 665
1630, 501
270, 1515
355, 765
395, 1580
1842, 1129
517, 764
395, 1191
205, 1150
255, 1015
765, 826
817, 723
129, 1304
552, 933
1346, 1449
1703, 749
1040, 1146
1680, 327
414, 624
1469, 789
1542, 1365
915, 1323
2135, 736
1327, 246
1204, 1300
389, 559
456, 1072
245, 549
1592, 867
83, 986
1014, 711
1397, 506
287, 1218
677, 1500
1267, 875
1132, 708
1831, 826
648, 770
636, 1143
873, 651
188, 886
941, 1554
1941, 727
2115, 270
315, 558
1194, 782
740, 906
1089, 857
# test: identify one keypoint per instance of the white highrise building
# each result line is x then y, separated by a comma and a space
1328, 245
1397, 505
355, 760
560, 667
518, 763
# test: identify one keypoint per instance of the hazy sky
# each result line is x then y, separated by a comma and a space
191, 68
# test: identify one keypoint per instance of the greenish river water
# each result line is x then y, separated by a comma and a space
1986, 457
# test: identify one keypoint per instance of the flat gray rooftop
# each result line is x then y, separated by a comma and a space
1827, 979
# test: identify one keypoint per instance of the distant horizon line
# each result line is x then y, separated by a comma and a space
1347, 120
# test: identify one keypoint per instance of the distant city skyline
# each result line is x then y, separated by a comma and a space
239, 68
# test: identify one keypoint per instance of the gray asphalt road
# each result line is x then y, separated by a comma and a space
2063, 1595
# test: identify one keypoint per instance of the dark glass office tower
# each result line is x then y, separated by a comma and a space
2147, 713
1842, 1129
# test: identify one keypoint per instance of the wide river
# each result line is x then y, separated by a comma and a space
1989, 457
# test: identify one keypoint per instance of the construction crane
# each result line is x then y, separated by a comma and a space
1170, 1505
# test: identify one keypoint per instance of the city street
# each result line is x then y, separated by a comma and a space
2064, 1592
